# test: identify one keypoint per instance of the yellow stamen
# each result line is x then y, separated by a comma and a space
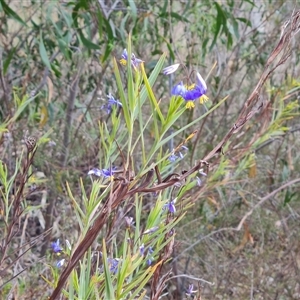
203, 99
190, 105
190, 87
123, 61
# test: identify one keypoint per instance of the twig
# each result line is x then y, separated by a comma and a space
191, 277
262, 200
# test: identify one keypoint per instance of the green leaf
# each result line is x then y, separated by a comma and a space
9, 12
8, 60
235, 25
111, 39
43, 53
151, 95
109, 290
133, 10
86, 42
173, 15
63, 46
246, 21
220, 21
288, 197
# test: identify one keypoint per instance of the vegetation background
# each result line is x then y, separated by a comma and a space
56, 70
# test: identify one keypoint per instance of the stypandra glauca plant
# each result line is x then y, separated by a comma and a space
133, 200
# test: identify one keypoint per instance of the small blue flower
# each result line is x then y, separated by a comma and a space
95, 171
170, 206
192, 92
142, 249
56, 247
135, 62
179, 90
199, 181
190, 291
150, 258
111, 103
151, 230
173, 158
106, 173
170, 69
149, 261
60, 263
113, 265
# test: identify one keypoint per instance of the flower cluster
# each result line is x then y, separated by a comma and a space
111, 102
173, 157
113, 264
190, 93
149, 256
56, 247
135, 62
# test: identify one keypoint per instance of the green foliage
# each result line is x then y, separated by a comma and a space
58, 63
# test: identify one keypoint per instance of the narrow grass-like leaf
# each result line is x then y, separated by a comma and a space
8, 59
122, 97
151, 95
9, 12
43, 53
109, 290
153, 77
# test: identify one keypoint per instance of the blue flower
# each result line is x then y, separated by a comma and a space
190, 291
173, 157
149, 261
56, 247
135, 62
113, 265
179, 90
106, 173
110, 103
199, 181
170, 206
192, 92
60, 263
95, 171
151, 230
142, 249
150, 258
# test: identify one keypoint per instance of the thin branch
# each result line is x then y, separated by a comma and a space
264, 199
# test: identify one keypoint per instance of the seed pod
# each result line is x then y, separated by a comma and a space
30, 143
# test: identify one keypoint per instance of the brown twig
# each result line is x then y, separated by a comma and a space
264, 199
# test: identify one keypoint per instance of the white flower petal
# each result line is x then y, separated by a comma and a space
200, 81
170, 69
